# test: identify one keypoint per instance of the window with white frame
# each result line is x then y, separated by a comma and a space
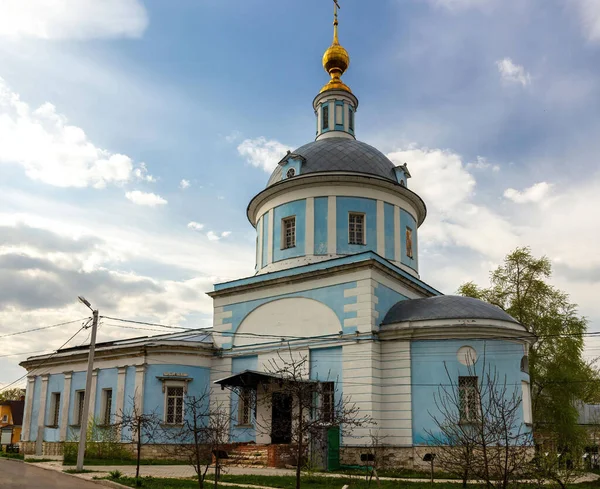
288, 232
327, 401
79, 400
54, 409
245, 407
468, 391
526, 398
174, 408
325, 116
106, 406
356, 228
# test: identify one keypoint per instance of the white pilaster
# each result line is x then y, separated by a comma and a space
25, 432
140, 377
310, 227
92, 411
380, 228
270, 237
66, 398
331, 225
259, 244
397, 247
120, 397
42, 401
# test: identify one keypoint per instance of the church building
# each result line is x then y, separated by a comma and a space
337, 282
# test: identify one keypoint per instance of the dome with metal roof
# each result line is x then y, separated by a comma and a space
341, 154
445, 307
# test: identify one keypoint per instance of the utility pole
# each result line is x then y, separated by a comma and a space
88, 386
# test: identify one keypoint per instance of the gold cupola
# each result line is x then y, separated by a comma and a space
336, 59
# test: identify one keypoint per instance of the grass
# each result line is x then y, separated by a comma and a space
14, 456
75, 471
400, 473
38, 460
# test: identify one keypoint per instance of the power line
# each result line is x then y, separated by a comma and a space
43, 327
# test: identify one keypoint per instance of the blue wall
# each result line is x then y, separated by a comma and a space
406, 220
129, 394
429, 360
239, 364
352, 204
386, 298
56, 383
390, 236
326, 365
107, 379
296, 208
321, 215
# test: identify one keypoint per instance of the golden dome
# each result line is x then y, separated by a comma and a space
336, 61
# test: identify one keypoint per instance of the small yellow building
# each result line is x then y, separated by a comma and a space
11, 420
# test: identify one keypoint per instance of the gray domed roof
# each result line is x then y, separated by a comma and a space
341, 154
444, 307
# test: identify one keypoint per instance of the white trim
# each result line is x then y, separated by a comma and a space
309, 234
93, 395
120, 398
259, 245
332, 225
397, 242
66, 400
381, 228
140, 377
29, 393
42, 402
270, 237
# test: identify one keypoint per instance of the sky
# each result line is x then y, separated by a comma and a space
134, 133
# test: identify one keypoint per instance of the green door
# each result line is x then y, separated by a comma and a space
333, 448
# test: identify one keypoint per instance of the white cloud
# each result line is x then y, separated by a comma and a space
262, 153
184, 184
212, 236
513, 73
534, 194
72, 19
482, 164
589, 13
145, 198
233, 136
460, 4
54, 152
196, 226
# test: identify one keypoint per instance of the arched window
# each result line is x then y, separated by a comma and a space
525, 364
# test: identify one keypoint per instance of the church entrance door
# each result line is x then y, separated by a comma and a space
281, 418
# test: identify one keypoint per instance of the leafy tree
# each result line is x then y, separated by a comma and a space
559, 374
12, 394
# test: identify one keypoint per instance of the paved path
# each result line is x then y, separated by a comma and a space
19, 475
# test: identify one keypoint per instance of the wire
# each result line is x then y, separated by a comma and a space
43, 363
42, 328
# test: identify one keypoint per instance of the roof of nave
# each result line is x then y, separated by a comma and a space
341, 154
445, 307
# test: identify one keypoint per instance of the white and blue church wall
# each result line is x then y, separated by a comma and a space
321, 223
436, 363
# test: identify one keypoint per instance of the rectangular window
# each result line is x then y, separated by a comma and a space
288, 231
106, 406
245, 407
5, 418
54, 409
469, 399
350, 119
325, 117
328, 402
174, 412
78, 415
526, 393
356, 228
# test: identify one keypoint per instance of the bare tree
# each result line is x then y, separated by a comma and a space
202, 436
479, 429
142, 426
312, 405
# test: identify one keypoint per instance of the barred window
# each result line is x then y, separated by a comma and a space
245, 407
106, 406
174, 414
350, 119
55, 409
468, 399
356, 228
288, 229
328, 402
79, 399
325, 116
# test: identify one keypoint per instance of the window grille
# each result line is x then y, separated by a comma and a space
468, 399
174, 405
356, 228
55, 409
107, 406
245, 407
289, 232
80, 396
325, 116
328, 402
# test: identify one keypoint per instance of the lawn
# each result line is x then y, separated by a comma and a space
100, 461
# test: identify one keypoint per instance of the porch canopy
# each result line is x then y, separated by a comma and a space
252, 379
